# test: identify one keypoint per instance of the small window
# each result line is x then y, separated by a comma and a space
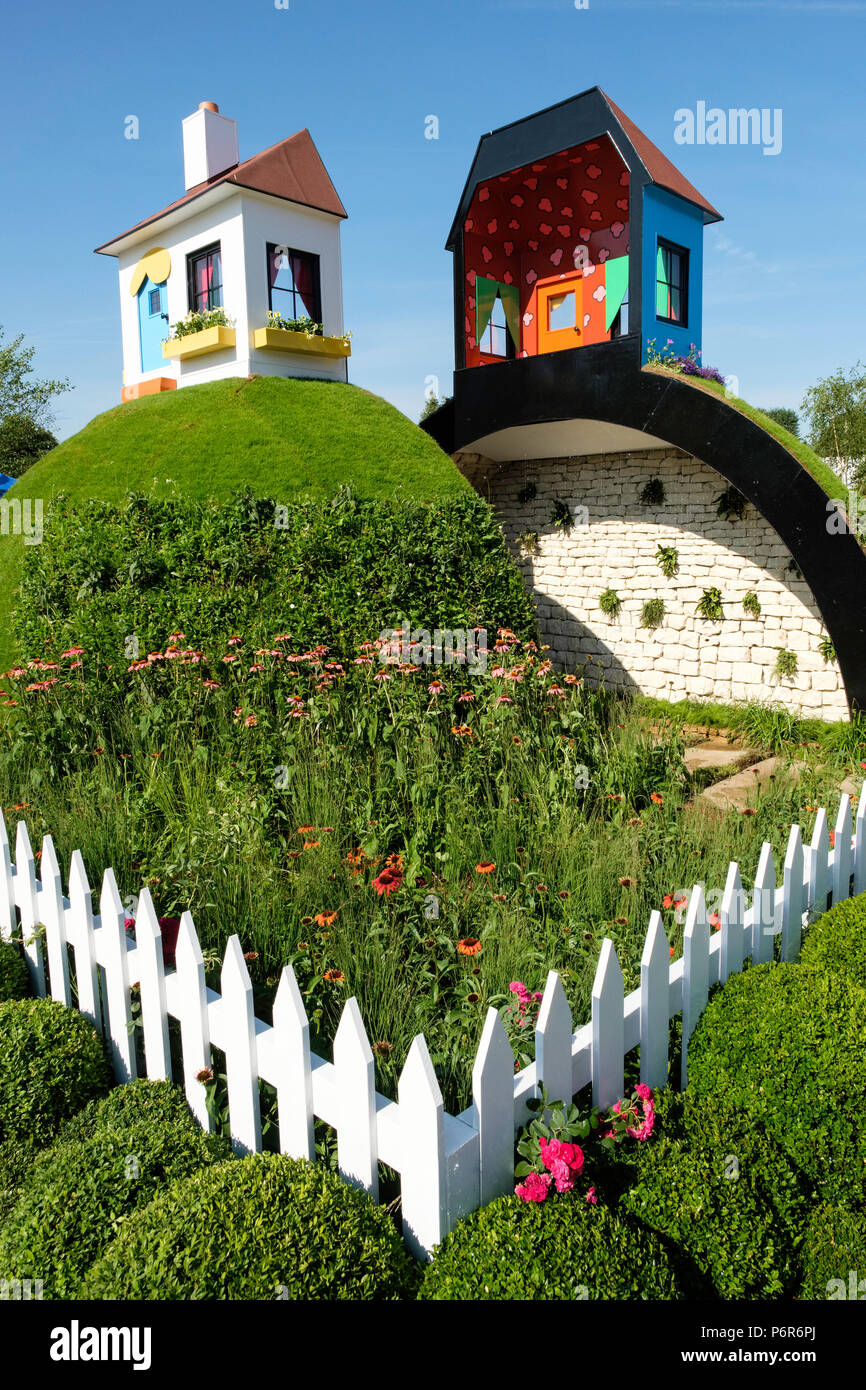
561, 311
672, 280
294, 284
204, 269
496, 340
619, 327
154, 302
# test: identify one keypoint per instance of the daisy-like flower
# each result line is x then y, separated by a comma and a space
229, 658
656, 798
485, 867
382, 676
334, 976
466, 698
311, 844
250, 721
235, 641
627, 882
435, 688
462, 730
504, 700
469, 946
205, 1075
211, 685
388, 881
325, 919
73, 651
381, 1049
306, 829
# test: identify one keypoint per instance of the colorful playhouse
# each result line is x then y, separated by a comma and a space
674, 545
258, 239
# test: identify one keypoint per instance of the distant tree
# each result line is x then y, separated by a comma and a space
836, 411
20, 392
22, 442
787, 418
432, 404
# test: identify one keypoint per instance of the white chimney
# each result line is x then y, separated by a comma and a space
210, 144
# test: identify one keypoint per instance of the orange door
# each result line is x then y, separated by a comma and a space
560, 314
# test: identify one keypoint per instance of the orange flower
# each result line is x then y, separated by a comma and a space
311, 844
333, 976
627, 882
469, 946
306, 829
657, 798
326, 919
671, 950
487, 867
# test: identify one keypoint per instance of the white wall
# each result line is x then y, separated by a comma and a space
688, 656
243, 225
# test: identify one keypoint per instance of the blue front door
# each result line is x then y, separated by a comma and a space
152, 324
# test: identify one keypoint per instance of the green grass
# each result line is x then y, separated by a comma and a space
283, 438
820, 471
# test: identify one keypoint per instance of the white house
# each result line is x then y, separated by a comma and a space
254, 239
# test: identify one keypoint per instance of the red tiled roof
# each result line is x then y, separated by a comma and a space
291, 169
658, 166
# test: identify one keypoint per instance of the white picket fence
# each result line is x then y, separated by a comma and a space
448, 1164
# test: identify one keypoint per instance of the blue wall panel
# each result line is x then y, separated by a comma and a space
673, 219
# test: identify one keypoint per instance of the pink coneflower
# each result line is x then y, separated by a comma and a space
73, 651
235, 641
363, 661
229, 658
435, 688
138, 666
211, 685
382, 676
504, 700
466, 698
250, 721
257, 666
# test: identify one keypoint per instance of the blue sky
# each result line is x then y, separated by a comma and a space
785, 283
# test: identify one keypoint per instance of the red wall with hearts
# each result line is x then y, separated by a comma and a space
524, 226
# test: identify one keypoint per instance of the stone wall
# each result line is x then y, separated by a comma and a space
613, 546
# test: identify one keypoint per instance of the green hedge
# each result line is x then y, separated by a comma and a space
264, 1227
837, 941
726, 1195
14, 975
52, 1062
78, 1195
335, 573
562, 1248
786, 1043
835, 1245
141, 1102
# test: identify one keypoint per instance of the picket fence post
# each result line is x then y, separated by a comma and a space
493, 1099
192, 1013
423, 1180
115, 961
732, 944
818, 877
842, 852
553, 1041
860, 844
608, 1030
357, 1140
238, 1027
792, 897
8, 918
81, 934
25, 895
764, 907
294, 1074
696, 972
655, 992
151, 977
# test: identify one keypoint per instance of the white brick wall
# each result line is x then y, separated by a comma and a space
688, 656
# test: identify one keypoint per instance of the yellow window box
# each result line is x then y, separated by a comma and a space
195, 344
285, 340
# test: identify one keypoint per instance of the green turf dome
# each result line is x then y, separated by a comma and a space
280, 437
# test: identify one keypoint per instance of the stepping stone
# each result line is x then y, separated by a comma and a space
706, 755
739, 791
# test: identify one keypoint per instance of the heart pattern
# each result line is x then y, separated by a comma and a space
525, 233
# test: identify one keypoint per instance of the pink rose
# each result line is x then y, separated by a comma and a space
534, 1189
556, 1152
591, 1197
643, 1091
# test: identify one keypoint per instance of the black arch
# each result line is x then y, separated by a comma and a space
605, 382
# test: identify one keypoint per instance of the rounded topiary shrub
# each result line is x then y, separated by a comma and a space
562, 1248
833, 1250
263, 1227
52, 1062
837, 941
14, 975
727, 1197
77, 1196
786, 1043
141, 1102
